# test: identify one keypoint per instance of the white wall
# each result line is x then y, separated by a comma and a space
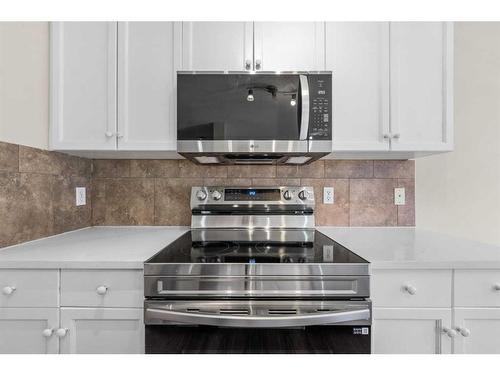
459, 193
24, 83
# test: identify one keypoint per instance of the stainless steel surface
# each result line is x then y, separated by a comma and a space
257, 269
252, 235
258, 314
320, 147
252, 221
292, 286
281, 72
304, 122
211, 204
247, 146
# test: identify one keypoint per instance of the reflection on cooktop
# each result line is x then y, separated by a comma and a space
321, 250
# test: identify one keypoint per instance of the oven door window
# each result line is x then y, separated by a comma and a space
238, 107
325, 339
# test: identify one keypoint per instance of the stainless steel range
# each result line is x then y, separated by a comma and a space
254, 276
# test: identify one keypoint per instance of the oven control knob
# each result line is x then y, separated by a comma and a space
216, 195
287, 195
201, 195
304, 195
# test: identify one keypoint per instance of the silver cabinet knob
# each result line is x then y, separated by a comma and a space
61, 332
109, 134
465, 332
216, 195
248, 64
47, 332
102, 290
387, 136
258, 64
287, 195
119, 135
396, 135
8, 290
449, 332
496, 287
410, 289
201, 195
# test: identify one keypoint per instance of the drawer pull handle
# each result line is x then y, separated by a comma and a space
465, 332
47, 332
61, 332
8, 290
102, 290
450, 332
410, 289
496, 287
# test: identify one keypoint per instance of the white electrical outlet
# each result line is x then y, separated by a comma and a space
328, 195
399, 196
81, 196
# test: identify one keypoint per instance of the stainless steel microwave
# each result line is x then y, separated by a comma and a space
254, 117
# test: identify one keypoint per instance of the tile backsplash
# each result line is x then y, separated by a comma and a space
156, 192
37, 193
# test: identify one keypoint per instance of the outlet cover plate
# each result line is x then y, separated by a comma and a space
328, 195
81, 196
399, 196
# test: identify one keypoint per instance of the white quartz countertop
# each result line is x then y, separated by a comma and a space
129, 247
96, 247
400, 248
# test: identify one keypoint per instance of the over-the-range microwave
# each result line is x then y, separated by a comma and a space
254, 117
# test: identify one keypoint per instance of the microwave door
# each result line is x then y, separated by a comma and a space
304, 108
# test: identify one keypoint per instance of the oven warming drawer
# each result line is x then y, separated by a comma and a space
346, 287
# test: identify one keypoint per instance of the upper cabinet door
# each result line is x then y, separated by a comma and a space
146, 85
83, 70
217, 46
285, 46
421, 55
358, 55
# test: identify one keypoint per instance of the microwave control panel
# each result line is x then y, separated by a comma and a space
320, 106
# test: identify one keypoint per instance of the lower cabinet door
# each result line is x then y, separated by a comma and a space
29, 330
478, 331
412, 331
102, 331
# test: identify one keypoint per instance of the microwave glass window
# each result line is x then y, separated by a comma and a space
238, 107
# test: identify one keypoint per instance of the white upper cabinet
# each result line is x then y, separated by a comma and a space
83, 74
146, 85
421, 60
217, 46
289, 46
357, 53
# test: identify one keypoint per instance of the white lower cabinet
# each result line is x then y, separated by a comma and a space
102, 331
478, 330
411, 331
29, 330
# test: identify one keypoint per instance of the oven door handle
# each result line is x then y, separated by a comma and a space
256, 321
304, 98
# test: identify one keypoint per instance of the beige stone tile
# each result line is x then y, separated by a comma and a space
276, 182
154, 168
129, 201
394, 168
250, 171
111, 168
314, 170
188, 169
336, 214
372, 191
348, 168
9, 157
172, 200
227, 181
373, 214
406, 213
67, 215
34, 160
98, 201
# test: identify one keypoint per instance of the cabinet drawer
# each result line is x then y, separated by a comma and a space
411, 288
102, 288
477, 288
29, 288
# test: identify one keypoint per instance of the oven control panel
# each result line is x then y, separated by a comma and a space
254, 196
320, 113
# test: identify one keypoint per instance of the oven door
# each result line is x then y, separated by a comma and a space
279, 327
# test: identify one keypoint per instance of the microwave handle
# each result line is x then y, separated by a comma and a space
304, 95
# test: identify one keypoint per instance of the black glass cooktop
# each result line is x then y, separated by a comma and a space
320, 249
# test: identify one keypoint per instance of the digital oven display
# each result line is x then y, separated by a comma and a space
252, 195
